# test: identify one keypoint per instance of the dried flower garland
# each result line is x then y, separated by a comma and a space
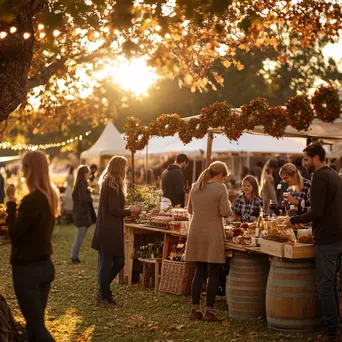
300, 112
253, 114
165, 125
326, 103
275, 121
137, 136
216, 114
234, 126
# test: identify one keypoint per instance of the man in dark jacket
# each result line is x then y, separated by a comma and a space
326, 218
173, 181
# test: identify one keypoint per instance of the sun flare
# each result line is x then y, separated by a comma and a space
133, 76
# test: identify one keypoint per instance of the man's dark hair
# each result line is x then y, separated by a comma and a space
93, 167
181, 158
315, 149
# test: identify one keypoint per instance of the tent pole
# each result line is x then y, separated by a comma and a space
133, 171
146, 165
194, 169
209, 148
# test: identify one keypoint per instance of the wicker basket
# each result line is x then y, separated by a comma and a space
176, 277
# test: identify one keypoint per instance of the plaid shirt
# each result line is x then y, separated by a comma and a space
303, 195
247, 208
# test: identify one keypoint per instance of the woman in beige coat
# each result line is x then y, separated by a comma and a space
208, 204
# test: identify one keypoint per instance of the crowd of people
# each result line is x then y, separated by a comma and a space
318, 201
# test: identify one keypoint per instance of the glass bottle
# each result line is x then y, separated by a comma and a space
261, 224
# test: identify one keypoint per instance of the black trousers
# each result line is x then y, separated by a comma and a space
213, 282
109, 267
32, 285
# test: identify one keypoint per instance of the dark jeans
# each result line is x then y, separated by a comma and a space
213, 282
109, 267
32, 285
326, 278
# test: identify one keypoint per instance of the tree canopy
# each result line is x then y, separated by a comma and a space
50, 50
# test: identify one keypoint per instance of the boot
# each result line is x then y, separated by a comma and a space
210, 316
196, 314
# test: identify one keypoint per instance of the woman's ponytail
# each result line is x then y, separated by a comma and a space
204, 177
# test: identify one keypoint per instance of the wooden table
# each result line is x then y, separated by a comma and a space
131, 229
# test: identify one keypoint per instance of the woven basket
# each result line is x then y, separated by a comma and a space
176, 277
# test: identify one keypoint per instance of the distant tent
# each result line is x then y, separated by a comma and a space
109, 143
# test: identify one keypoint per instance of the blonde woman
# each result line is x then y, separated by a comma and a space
299, 187
208, 203
108, 237
267, 184
30, 231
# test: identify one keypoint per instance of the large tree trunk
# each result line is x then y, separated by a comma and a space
9, 330
16, 57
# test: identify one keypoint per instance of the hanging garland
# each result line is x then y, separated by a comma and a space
300, 112
254, 113
136, 136
215, 115
275, 121
166, 125
326, 103
193, 128
234, 126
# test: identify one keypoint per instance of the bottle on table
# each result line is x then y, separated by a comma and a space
261, 224
274, 207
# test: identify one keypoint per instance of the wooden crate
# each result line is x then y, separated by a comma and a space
299, 251
272, 247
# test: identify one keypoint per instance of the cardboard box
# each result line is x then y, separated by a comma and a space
299, 251
272, 247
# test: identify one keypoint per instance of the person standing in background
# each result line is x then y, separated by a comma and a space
92, 176
208, 203
268, 191
108, 237
30, 232
172, 179
83, 211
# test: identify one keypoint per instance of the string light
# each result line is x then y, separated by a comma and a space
13, 29
6, 145
27, 35
3, 34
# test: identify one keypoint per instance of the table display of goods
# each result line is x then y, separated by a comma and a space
179, 214
240, 233
278, 230
305, 236
156, 219
177, 252
151, 250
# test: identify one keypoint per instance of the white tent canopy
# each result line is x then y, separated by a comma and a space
246, 143
109, 143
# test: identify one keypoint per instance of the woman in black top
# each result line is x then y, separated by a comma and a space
83, 210
30, 231
108, 237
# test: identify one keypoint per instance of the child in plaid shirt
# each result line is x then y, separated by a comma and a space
248, 205
299, 187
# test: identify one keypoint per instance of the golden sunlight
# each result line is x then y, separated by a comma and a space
133, 76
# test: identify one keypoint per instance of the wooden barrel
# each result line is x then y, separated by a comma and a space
246, 285
292, 303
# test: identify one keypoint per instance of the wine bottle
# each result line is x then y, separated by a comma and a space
261, 224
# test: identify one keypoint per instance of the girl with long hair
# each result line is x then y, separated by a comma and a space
83, 210
248, 204
108, 237
30, 231
208, 203
267, 183
299, 187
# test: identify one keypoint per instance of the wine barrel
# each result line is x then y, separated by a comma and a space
246, 285
292, 303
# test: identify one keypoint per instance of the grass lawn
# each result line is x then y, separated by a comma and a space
144, 316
